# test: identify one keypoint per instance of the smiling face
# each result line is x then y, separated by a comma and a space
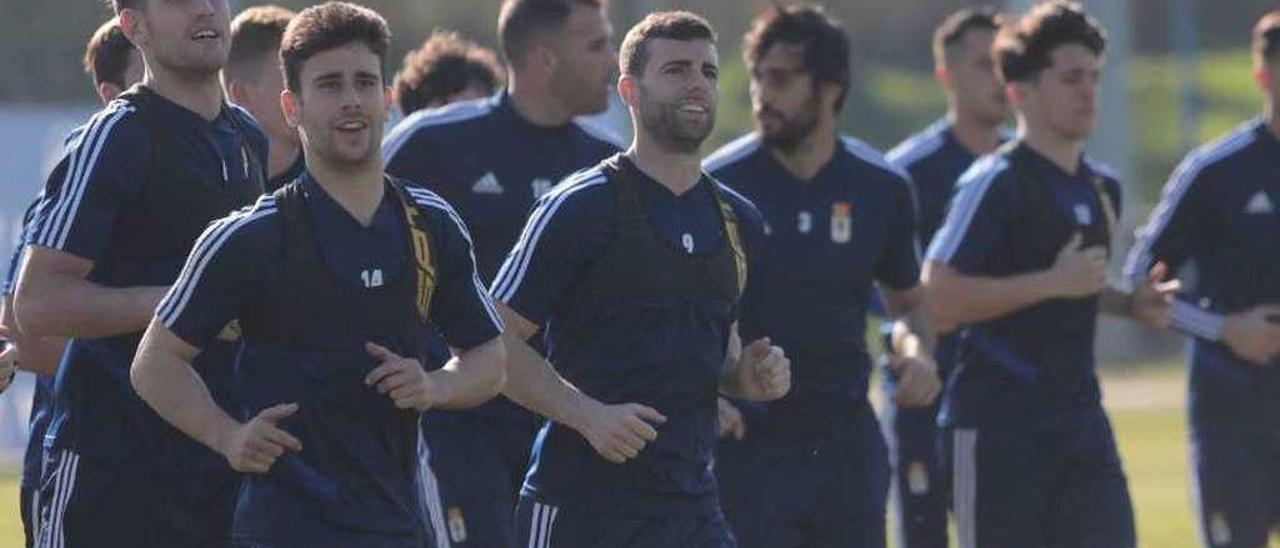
340, 106
675, 97
189, 37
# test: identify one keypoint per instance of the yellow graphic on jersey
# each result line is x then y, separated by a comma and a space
841, 222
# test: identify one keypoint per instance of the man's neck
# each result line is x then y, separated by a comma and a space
677, 171
810, 155
202, 95
536, 106
974, 133
1064, 153
358, 190
281, 154
1272, 116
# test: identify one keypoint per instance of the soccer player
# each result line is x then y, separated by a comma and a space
445, 69
635, 268
935, 158
334, 279
1021, 262
113, 65
253, 80
491, 158
122, 209
1219, 211
811, 469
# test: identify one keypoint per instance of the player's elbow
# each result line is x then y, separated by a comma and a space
945, 296
495, 377
36, 313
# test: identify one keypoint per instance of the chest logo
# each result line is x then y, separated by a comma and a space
1084, 215
1260, 203
488, 184
687, 242
541, 186
841, 222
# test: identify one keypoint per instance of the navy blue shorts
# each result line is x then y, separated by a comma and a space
29, 505
829, 492
919, 495
544, 526
1052, 486
90, 504
480, 461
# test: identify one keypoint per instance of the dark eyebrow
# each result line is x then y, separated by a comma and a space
678, 63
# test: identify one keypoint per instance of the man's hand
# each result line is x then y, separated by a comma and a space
1078, 272
230, 332
1150, 302
764, 371
619, 432
916, 382
255, 445
1254, 334
402, 379
731, 421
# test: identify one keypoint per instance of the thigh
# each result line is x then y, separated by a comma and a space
1090, 507
851, 505
997, 481
1230, 485
767, 497
474, 485
28, 503
197, 511
542, 525
83, 504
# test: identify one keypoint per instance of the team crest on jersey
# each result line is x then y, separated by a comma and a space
1084, 215
841, 222
457, 525
541, 186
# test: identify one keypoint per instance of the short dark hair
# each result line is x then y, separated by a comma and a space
954, 28
667, 25
1023, 49
520, 20
106, 56
826, 47
255, 38
1266, 38
444, 65
327, 26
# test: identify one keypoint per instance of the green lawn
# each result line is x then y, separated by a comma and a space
1147, 414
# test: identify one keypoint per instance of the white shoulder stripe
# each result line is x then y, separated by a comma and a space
736, 150
872, 156
427, 118
1179, 183
65, 202
202, 253
513, 269
426, 198
970, 191
599, 131
918, 146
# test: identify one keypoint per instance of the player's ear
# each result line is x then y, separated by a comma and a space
1262, 76
388, 102
627, 89
108, 91
235, 91
942, 76
289, 107
134, 26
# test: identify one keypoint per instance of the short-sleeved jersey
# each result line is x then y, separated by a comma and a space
935, 159
662, 352
1221, 211
42, 394
491, 164
830, 238
287, 176
92, 193
1012, 213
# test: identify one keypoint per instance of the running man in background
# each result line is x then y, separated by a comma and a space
1220, 212
122, 210
811, 469
935, 158
635, 268
445, 69
491, 159
335, 279
253, 81
1020, 262
113, 65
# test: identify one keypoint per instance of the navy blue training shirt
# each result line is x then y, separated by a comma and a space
42, 395
830, 238
1221, 211
640, 352
100, 177
997, 228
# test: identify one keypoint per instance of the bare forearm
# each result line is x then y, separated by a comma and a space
729, 383
958, 299
535, 385
473, 376
1115, 302
60, 305
40, 355
168, 383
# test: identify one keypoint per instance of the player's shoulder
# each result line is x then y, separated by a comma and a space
246, 122
438, 210
1222, 153
454, 117
742, 205
874, 161
919, 145
119, 124
595, 131
252, 229
988, 171
1104, 170
733, 153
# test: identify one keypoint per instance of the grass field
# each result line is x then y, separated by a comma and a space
1146, 407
